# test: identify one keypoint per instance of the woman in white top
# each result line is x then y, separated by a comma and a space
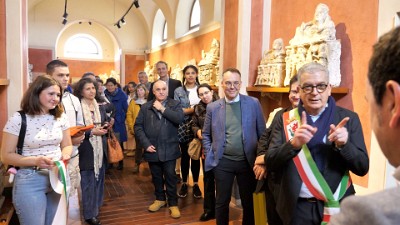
47, 139
188, 97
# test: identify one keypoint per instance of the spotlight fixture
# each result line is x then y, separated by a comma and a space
118, 25
65, 15
122, 20
136, 3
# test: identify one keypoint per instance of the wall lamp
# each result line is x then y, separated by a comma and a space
65, 15
122, 20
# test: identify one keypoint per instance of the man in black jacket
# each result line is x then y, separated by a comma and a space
156, 127
312, 150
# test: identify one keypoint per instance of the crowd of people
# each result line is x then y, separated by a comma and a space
301, 161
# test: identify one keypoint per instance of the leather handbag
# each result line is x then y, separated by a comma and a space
115, 153
185, 133
194, 149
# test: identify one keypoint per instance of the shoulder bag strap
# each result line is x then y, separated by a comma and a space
22, 132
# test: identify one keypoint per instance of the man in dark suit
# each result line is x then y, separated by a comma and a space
231, 130
383, 95
311, 156
162, 70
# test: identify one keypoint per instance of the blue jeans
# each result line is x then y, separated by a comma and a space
34, 200
163, 173
92, 192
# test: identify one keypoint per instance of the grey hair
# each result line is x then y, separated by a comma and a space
142, 72
311, 68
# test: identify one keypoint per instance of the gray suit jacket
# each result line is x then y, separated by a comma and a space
381, 208
253, 126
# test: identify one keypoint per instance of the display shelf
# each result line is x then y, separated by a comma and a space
263, 89
4, 82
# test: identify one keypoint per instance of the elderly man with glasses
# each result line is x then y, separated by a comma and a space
312, 150
231, 130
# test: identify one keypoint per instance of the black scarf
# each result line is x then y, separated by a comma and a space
323, 124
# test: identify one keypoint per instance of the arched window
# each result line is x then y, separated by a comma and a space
160, 29
195, 15
165, 32
83, 46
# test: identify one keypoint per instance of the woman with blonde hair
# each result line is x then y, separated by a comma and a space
141, 94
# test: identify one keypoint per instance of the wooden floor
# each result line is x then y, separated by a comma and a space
127, 197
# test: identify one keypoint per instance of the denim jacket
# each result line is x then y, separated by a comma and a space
182, 95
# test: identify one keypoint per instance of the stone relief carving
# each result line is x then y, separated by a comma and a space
176, 73
150, 72
313, 41
209, 64
271, 70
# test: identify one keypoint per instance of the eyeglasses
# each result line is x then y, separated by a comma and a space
310, 88
204, 93
234, 84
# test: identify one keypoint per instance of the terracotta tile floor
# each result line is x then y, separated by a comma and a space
128, 195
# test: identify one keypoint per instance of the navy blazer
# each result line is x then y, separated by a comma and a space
286, 180
214, 138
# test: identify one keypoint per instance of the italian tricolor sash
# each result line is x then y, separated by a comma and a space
310, 174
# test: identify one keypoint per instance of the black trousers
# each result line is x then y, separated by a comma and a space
307, 212
225, 173
187, 162
209, 191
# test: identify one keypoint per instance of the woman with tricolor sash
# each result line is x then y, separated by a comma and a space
46, 144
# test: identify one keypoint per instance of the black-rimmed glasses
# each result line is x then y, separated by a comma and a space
309, 88
232, 84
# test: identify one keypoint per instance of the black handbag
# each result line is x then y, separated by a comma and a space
185, 133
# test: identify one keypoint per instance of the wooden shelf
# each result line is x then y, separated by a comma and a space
4, 82
263, 89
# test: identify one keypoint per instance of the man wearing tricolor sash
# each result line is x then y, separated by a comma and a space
383, 95
312, 150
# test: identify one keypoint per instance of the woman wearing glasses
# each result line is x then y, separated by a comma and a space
206, 95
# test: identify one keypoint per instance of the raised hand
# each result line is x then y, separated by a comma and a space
304, 133
157, 105
338, 134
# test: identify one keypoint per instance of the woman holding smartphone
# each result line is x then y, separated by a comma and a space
92, 151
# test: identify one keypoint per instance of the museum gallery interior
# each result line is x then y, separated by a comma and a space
267, 40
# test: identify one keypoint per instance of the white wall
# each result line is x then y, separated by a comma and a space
95, 30
48, 14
